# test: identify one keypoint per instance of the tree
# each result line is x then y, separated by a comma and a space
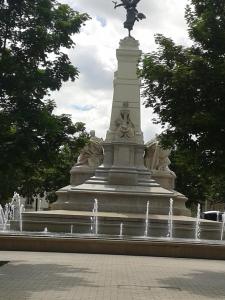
32, 64
186, 88
200, 186
51, 175
55, 176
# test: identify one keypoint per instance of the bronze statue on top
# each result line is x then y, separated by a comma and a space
132, 13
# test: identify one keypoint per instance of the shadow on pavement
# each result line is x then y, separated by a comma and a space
18, 280
203, 283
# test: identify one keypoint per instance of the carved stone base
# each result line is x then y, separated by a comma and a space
164, 178
121, 184
120, 198
79, 174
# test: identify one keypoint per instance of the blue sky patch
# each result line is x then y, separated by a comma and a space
102, 21
82, 107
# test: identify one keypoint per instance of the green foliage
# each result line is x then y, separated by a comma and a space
193, 181
185, 87
55, 173
32, 64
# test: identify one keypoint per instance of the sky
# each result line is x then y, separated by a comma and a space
89, 98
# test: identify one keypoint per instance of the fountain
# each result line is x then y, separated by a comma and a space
133, 245
2, 218
146, 220
222, 226
217, 216
12, 212
95, 218
6, 215
121, 174
22, 210
170, 220
92, 223
198, 221
121, 230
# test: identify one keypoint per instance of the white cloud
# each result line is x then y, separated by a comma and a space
89, 98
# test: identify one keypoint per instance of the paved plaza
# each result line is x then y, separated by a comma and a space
56, 276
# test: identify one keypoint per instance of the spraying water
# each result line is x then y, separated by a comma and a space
146, 220
95, 219
16, 206
197, 224
223, 224
92, 224
121, 230
40, 204
1, 215
45, 230
170, 220
71, 229
7, 215
11, 211
218, 216
22, 209
2, 218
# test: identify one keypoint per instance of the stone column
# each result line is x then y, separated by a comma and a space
126, 96
124, 138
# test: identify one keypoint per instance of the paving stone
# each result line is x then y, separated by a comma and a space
57, 276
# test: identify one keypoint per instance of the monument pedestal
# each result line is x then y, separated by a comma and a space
165, 178
79, 174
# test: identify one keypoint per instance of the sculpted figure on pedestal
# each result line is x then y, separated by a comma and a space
157, 158
124, 125
92, 153
132, 13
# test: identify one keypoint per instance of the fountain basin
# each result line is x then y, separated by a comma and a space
111, 245
109, 224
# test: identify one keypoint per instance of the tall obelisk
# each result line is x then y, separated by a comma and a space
124, 146
122, 184
126, 96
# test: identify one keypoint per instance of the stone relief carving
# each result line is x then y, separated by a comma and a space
156, 158
124, 125
92, 153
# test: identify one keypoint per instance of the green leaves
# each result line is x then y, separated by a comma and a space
32, 35
186, 88
206, 20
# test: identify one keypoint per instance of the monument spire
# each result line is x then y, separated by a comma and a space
132, 13
125, 120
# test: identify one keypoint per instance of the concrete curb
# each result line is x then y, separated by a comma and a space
160, 248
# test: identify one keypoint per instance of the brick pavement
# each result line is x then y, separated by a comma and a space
48, 276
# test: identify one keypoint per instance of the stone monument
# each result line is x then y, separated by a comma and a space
115, 179
122, 183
